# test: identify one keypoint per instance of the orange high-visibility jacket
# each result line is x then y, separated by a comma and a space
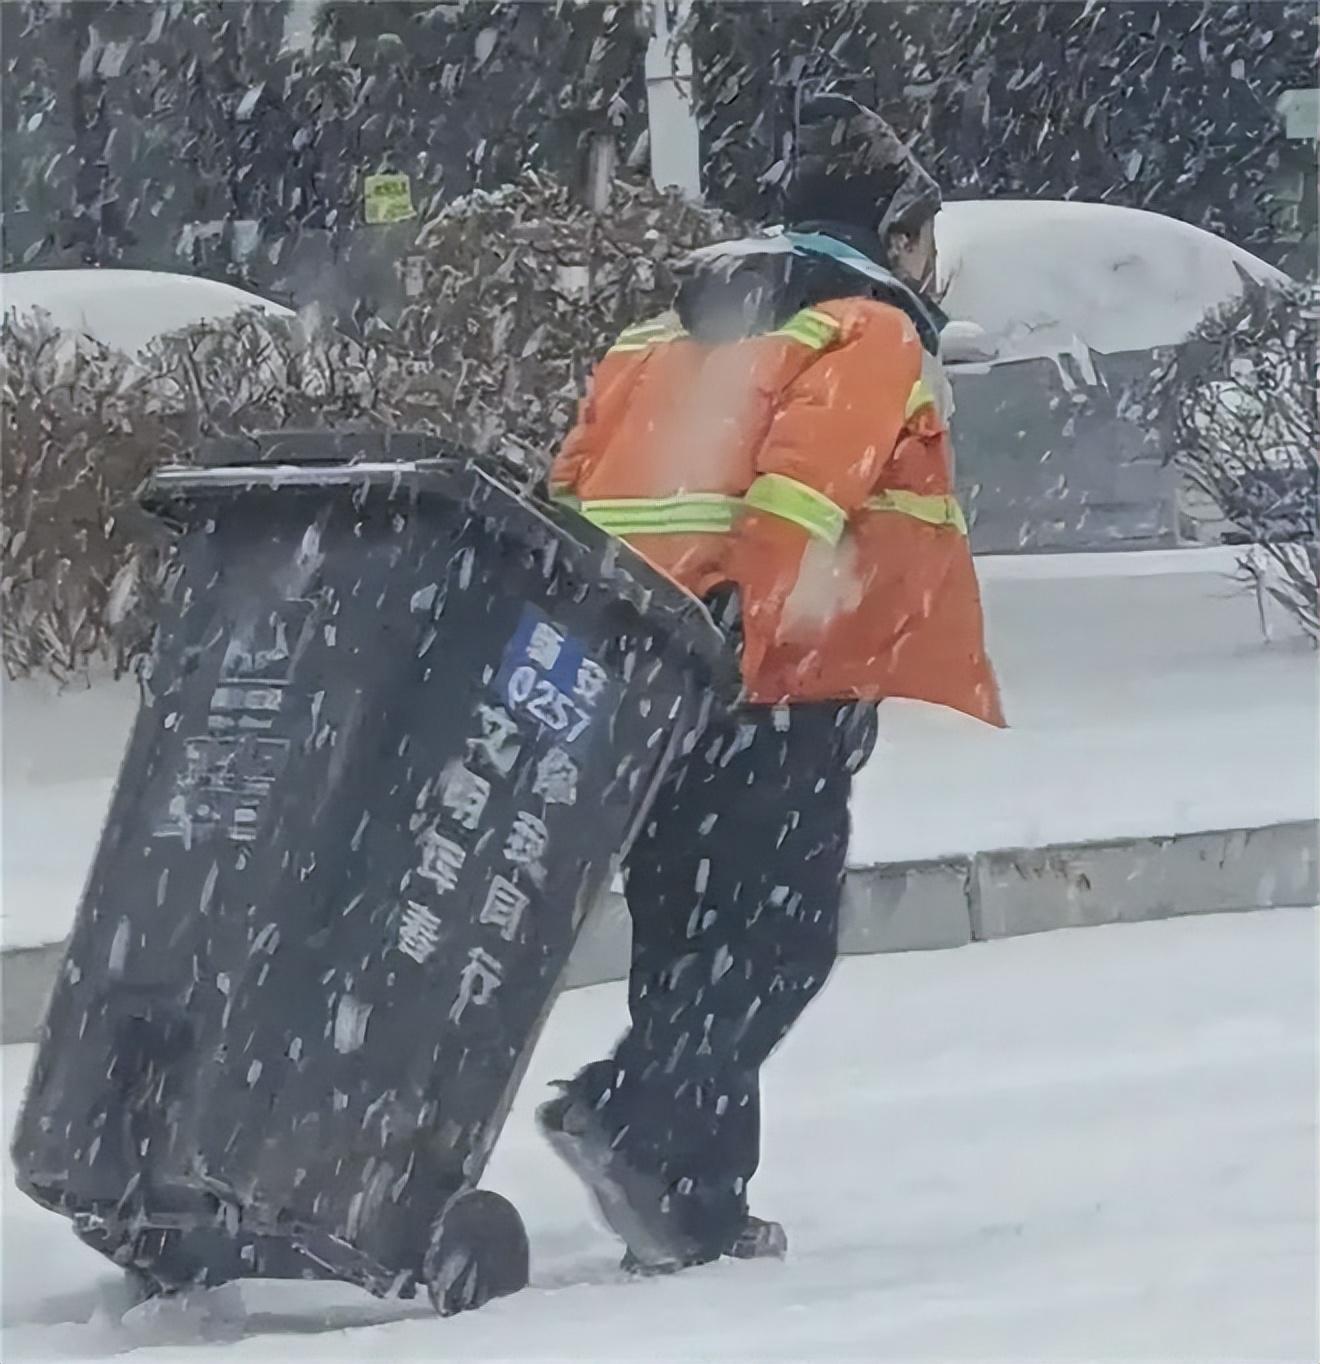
810, 467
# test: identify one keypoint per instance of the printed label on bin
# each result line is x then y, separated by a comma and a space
546, 676
263, 651
222, 788
545, 679
227, 774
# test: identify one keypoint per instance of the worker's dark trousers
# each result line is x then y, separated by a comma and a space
734, 889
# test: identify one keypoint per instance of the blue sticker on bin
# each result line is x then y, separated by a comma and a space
546, 676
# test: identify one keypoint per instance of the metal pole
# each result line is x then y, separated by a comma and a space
671, 99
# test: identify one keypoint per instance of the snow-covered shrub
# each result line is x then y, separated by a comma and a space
83, 426
1237, 409
521, 290
79, 432
259, 374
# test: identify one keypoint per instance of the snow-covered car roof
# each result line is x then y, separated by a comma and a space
125, 309
1048, 277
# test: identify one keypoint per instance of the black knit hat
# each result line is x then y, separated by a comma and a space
849, 166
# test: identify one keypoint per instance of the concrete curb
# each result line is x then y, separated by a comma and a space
1123, 881
948, 902
953, 901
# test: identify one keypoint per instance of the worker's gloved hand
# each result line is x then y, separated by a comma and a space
966, 343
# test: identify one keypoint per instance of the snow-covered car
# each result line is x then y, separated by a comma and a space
1048, 277
125, 309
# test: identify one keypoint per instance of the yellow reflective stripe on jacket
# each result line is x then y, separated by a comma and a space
921, 396
646, 334
811, 327
681, 514
715, 513
936, 509
797, 502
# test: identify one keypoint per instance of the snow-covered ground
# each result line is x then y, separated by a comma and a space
1094, 1144
1141, 700
1141, 697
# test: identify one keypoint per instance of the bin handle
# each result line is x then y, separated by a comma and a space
663, 768
188, 476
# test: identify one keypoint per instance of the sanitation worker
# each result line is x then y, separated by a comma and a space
778, 446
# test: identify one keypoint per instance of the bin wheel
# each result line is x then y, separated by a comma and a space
117, 1297
141, 1286
478, 1251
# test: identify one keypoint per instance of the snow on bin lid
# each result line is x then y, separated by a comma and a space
1045, 277
125, 309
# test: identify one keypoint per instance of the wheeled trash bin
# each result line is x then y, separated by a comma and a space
399, 721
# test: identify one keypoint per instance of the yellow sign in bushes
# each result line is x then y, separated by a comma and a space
387, 198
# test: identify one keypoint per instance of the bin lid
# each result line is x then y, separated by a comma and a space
183, 492
325, 447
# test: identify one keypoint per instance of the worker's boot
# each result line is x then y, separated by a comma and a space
633, 1203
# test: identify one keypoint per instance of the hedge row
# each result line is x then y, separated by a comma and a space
521, 288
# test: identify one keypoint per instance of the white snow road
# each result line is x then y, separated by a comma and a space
1096, 1144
